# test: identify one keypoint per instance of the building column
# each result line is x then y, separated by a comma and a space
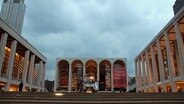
144, 72
98, 72
161, 64
136, 75
148, 69
154, 68
70, 78
84, 72
180, 47
170, 61
10, 64
40, 74
25, 68
31, 67
2, 49
56, 78
43, 77
140, 73
84, 69
112, 78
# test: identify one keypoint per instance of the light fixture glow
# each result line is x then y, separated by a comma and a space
91, 78
89, 91
59, 94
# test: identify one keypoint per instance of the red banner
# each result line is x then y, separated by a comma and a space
119, 77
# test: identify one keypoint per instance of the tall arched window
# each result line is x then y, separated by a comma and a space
63, 67
105, 76
77, 74
91, 69
119, 74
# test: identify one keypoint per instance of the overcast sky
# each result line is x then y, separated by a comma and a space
93, 28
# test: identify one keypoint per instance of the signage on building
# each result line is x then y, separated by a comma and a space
119, 76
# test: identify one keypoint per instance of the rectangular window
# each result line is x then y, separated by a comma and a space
5, 1
16, 1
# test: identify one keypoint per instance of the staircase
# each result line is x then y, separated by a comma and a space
96, 98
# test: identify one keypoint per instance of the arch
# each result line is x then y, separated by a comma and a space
120, 62
119, 75
91, 69
77, 74
105, 75
63, 75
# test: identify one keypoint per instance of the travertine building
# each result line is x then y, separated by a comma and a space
12, 13
19, 60
160, 66
104, 70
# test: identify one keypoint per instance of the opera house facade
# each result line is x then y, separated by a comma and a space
110, 73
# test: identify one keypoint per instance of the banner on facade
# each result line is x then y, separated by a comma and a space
119, 77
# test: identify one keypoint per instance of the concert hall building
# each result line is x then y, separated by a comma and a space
111, 73
19, 60
160, 66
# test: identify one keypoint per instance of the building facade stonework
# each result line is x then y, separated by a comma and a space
160, 66
70, 70
19, 60
12, 13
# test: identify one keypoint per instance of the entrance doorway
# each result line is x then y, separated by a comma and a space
77, 75
102, 82
91, 74
63, 76
105, 76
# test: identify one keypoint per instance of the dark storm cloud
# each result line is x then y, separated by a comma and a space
72, 16
93, 28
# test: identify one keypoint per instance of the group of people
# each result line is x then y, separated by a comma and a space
86, 82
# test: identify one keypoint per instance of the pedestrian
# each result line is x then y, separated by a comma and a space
179, 90
96, 86
85, 79
28, 90
2, 89
80, 85
159, 89
20, 86
162, 90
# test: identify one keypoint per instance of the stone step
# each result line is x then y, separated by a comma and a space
95, 94
88, 102
87, 99
96, 98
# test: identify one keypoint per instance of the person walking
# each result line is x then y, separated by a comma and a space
96, 86
20, 86
2, 89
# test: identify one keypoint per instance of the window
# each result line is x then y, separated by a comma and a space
5, 1
16, 1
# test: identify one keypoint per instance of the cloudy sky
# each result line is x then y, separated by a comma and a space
93, 28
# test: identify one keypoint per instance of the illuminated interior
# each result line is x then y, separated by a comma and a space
13, 88
180, 86
168, 88
77, 74
17, 67
105, 76
91, 69
63, 66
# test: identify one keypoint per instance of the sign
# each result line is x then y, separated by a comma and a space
119, 76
